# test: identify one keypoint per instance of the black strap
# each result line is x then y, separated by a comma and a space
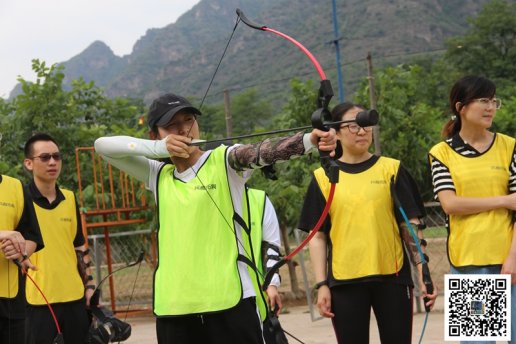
246, 260
83, 253
240, 221
266, 246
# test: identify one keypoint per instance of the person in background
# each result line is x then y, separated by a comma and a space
67, 289
474, 179
358, 256
263, 233
203, 291
19, 238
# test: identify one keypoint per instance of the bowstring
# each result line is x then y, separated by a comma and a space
231, 228
132, 293
218, 65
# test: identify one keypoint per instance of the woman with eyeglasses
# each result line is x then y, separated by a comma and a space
474, 179
358, 257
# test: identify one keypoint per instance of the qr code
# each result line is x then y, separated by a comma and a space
477, 307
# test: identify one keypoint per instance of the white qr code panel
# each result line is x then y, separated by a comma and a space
477, 307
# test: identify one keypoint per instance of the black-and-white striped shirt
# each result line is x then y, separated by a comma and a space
441, 176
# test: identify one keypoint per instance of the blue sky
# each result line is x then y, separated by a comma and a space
56, 30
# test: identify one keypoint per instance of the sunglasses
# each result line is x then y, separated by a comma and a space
45, 157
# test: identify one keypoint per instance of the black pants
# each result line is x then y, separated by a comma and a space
12, 331
237, 325
71, 316
392, 306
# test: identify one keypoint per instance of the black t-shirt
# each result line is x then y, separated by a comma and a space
29, 228
408, 195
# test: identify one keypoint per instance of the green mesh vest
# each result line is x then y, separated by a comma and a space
197, 266
256, 201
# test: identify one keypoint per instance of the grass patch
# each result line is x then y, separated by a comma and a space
435, 232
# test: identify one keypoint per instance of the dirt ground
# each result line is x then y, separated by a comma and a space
297, 321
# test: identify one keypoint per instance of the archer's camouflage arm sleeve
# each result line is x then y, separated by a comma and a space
266, 152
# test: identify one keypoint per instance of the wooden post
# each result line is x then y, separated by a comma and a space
372, 103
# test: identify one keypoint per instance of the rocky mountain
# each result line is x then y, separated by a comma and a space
182, 56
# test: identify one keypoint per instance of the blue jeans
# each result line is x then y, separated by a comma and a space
489, 270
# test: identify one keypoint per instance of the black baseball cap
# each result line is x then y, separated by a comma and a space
164, 108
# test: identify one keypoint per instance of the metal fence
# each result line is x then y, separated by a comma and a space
131, 288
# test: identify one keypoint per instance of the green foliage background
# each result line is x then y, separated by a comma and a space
411, 99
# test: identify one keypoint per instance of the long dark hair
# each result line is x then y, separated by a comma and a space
464, 91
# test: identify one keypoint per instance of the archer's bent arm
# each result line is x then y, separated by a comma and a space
270, 151
130, 154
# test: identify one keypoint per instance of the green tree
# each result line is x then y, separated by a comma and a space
75, 118
489, 48
287, 192
504, 121
250, 113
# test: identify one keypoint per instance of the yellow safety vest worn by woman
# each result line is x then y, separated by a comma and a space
363, 204
472, 239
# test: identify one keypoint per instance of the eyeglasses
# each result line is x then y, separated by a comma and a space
496, 102
355, 128
45, 157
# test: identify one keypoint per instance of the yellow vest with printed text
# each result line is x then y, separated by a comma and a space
57, 273
364, 233
483, 238
11, 210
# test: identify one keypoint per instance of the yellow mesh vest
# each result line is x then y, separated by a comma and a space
11, 210
364, 234
57, 273
197, 267
484, 238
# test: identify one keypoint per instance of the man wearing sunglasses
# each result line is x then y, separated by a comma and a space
67, 289
19, 238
